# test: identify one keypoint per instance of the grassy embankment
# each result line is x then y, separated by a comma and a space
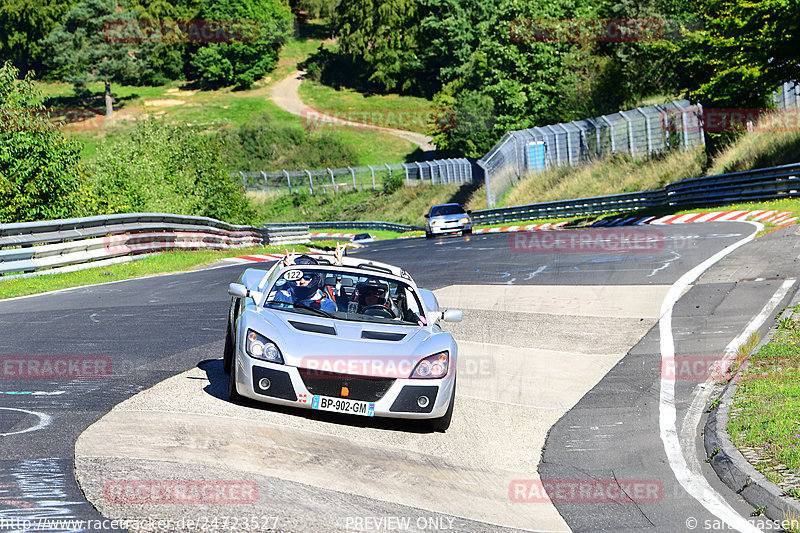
765, 416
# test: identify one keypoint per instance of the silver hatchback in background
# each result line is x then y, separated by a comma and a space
447, 218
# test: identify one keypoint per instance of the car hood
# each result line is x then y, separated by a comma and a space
308, 341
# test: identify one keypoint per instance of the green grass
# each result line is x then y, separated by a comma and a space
177, 261
767, 401
388, 111
405, 206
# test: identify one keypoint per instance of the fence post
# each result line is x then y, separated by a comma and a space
333, 180
288, 180
613, 140
310, 182
406, 169
353, 173
390, 170
373, 175
647, 125
419, 169
266, 185
244, 180
630, 132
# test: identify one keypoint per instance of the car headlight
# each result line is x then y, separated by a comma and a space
436, 222
465, 220
260, 347
432, 367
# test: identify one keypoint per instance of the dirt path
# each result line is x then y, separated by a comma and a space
285, 95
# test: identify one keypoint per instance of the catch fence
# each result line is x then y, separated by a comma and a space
333, 180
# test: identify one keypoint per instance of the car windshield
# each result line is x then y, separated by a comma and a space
440, 210
345, 295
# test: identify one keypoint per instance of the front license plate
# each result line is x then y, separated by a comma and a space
342, 405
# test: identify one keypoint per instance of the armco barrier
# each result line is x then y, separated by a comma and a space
749, 186
54, 244
374, 225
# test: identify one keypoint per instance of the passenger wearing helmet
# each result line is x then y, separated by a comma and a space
306, 291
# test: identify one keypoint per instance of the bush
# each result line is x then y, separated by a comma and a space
261, 144
41, 176
160, 167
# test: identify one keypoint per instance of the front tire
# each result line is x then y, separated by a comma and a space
227, 354
441, 424
428, 234
233, 394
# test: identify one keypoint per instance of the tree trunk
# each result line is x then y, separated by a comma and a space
109, 106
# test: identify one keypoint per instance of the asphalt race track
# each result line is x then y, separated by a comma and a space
561, 383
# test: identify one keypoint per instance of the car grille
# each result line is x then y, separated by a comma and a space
365, 389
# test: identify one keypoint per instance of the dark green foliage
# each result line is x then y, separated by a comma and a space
240, 61
168, 168
83, 47
742, 54
381, 37
41, 176
261, 144
23, 24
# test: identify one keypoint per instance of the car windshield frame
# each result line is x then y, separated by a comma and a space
358, 275
450, 209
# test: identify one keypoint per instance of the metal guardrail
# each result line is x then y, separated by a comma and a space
374, 225
748, 186
58, 244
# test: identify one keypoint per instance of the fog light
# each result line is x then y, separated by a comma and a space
264, 383
422, 401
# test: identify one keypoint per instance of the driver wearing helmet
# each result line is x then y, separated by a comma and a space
371, 293
306, 291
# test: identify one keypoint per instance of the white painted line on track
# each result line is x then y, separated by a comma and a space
44, 421
697, 486
703, 391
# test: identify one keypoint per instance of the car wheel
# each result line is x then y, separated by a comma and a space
442, 423
233, 394
428, 234
227, 354
466, 232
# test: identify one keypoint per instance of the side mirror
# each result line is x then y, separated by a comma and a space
237, 290
427, 215
469, 211
452, 315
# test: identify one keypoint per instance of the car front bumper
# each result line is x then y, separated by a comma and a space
450, 227
296, 387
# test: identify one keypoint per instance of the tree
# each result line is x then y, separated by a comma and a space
23, 24
744, 52
41, 176
253, 32
93, 45
381, 37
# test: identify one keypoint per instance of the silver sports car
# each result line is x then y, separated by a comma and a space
357, 338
